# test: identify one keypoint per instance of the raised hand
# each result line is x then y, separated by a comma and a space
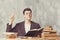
11, 19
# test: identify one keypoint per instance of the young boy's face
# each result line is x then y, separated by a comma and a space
28, 15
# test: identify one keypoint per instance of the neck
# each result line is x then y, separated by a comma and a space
27, 21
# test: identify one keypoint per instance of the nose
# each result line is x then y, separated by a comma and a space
29, 14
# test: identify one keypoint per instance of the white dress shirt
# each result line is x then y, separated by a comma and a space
27, 27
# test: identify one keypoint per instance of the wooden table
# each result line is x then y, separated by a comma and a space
32, 38
29, 38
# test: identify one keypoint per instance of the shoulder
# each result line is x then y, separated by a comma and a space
34, 23
20, 23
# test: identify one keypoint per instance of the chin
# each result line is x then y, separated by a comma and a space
28, 19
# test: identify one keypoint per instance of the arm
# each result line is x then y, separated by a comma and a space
38, 26
9, 27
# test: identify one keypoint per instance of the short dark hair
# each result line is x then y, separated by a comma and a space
26, 9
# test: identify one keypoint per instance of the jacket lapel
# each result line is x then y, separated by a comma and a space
31, 27
23, 27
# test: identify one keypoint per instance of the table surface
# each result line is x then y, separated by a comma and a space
32, 38
21, 38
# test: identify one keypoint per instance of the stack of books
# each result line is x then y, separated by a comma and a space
48, 31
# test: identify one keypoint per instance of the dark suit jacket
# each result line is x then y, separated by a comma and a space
19, 27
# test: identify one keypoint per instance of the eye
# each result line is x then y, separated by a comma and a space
26, 13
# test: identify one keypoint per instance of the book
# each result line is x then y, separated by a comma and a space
34, 32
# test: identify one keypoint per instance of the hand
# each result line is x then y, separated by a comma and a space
11, 19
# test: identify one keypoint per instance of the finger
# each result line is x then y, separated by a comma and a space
12, 17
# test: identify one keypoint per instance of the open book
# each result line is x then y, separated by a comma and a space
34, 32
